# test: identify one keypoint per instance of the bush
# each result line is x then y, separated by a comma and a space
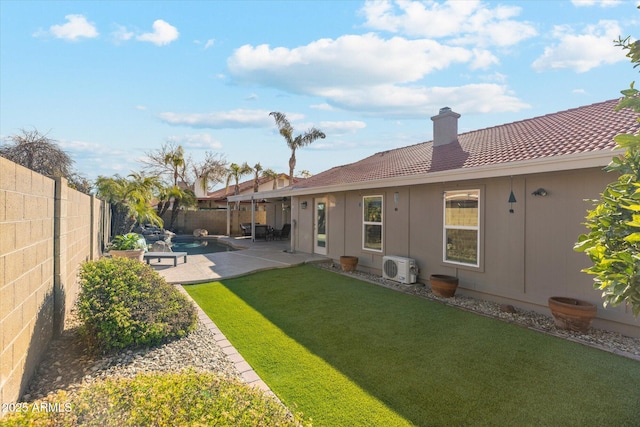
186, 398
125, 303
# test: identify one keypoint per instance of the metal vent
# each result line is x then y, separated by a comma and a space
390, 268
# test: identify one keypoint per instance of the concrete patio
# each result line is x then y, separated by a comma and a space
250, 257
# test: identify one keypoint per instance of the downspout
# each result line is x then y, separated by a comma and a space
294, 228
228, 220
253, 220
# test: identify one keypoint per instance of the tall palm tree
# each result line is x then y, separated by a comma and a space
256, 170
175, 160
235, 172
273, 175
301, 140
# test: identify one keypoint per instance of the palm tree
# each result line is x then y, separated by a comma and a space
175, 160
235, 172
180, 197
130, 200
286, 130
256, 170
273, 175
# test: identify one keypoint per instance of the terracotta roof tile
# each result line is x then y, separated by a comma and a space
245, 186
578, 130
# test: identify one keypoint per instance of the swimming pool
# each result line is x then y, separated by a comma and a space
195, 246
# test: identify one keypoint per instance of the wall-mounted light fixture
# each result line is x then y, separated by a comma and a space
512, 198
303, 205
540, 192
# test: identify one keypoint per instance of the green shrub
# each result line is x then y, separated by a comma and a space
178, 399
125, 303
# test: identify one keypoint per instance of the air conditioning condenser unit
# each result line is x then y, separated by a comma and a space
399, 269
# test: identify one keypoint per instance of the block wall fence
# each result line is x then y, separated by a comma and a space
47, 230
214, 221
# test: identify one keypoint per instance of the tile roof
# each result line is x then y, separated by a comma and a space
245, 186
578, 130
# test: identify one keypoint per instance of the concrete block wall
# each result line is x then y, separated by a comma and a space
214, 221
72, 245
46, 231
26, 273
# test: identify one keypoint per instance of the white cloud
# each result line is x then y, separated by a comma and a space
82, 146
601, 3
163, 33
483, 59
76, 27
141, 108
207, 44
324, 107
201, 141
93, 159
417, 101
341, 127
346, 61
348, 73
583, 51
223, 119
464, 22
121, 34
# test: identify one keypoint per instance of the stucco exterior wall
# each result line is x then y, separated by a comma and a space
46, 231
525, 256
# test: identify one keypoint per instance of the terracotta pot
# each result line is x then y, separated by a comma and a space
133, 254
443, 285
348, 263
571, 313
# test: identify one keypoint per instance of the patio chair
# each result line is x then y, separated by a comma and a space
264, 232
246, 228
283, 233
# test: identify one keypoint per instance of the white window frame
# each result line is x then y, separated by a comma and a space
446, 227
365, 223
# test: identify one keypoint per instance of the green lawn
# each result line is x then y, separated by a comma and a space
346, 352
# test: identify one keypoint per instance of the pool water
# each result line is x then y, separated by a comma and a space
193, 246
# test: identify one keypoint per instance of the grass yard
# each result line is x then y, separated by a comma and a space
346, 352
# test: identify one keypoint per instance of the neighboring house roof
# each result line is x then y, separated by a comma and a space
245, 187
576, 131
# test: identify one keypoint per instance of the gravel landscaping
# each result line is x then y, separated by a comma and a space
69, 364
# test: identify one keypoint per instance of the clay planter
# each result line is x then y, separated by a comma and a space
443, 285
348, 263
571, 313
133, 254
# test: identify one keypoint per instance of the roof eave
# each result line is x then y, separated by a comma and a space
268, 194
593, 159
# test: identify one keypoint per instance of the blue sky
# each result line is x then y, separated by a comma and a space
111, 80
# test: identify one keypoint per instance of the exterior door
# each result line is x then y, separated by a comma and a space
320, 227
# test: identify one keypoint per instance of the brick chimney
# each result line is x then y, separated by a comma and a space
445, 127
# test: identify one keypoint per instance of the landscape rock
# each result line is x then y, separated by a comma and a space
507, 308
161, 246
